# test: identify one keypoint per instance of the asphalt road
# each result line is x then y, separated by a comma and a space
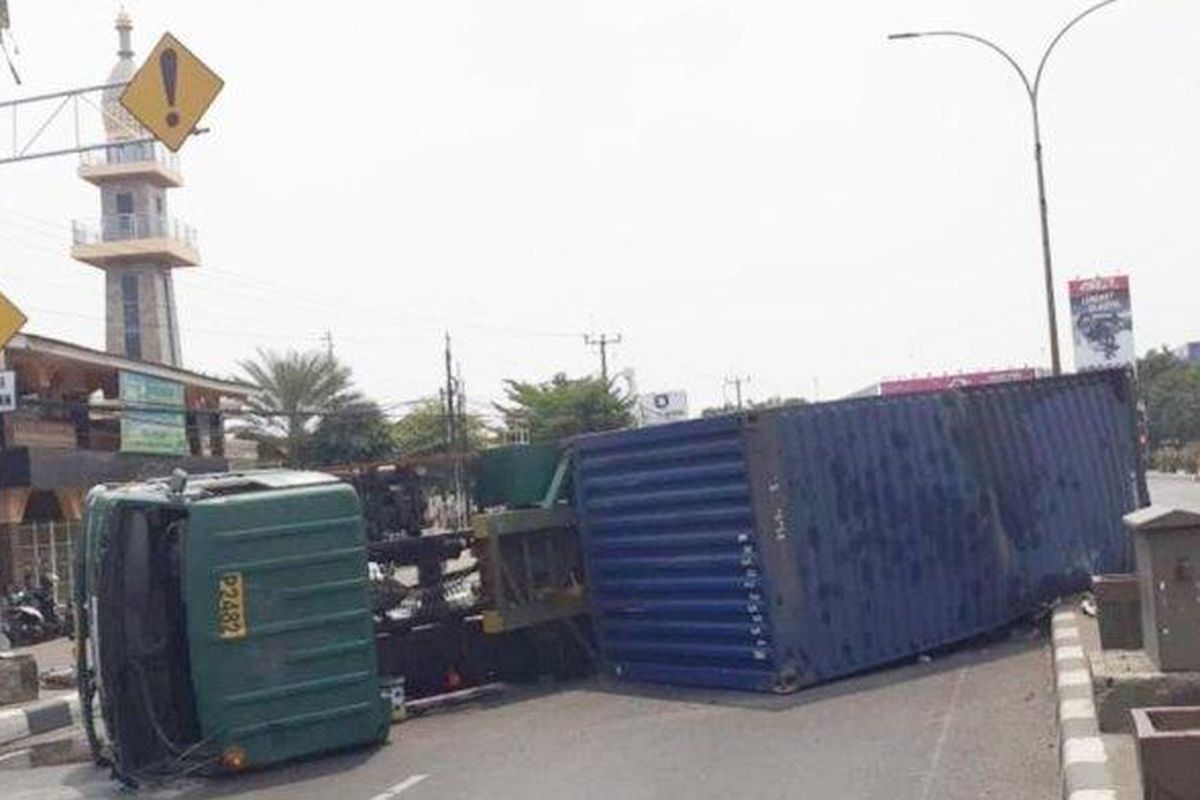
977, 723
1174, 490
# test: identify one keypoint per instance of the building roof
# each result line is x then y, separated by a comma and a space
54, 347
1162, 518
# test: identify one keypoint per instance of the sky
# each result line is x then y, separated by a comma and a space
737, 187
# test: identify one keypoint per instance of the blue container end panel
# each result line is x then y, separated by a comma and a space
675, 570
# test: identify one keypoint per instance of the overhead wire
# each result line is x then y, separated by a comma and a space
320, 300
257, 289
224, 290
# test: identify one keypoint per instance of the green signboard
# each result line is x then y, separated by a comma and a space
148, 423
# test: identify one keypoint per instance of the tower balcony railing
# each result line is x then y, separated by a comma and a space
131, 153
127, 227
123, 161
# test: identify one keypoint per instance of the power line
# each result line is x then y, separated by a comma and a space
264, 288
147, 411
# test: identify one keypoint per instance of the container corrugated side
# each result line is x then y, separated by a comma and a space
926, 519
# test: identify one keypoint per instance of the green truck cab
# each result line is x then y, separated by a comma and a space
225, 623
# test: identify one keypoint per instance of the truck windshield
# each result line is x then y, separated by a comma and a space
142, 629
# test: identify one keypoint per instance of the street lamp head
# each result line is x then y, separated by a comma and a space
909, 35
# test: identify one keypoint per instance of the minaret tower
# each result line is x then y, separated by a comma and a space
137, 243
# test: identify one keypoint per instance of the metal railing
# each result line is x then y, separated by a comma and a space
131, 153
124, 227
36, 549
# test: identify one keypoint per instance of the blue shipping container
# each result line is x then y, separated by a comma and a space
774, 550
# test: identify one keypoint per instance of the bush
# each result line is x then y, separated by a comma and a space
1170, 458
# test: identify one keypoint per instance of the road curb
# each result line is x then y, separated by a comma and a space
1084, 762
36, 718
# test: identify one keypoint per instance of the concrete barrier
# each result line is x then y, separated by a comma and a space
30, 720
1085, 769
18, 678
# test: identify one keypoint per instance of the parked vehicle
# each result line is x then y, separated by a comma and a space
31, 614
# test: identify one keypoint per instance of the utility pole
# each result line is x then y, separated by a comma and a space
602, 342
460, 480
328, 340
461, 409
737, 382
450, 427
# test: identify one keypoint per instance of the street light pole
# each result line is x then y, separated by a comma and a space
1033, 90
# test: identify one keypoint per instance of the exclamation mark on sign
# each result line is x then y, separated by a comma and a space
168, 63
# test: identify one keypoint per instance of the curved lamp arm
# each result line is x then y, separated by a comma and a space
1037, 81
1029, 87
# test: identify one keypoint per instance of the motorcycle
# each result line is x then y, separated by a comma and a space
32, 616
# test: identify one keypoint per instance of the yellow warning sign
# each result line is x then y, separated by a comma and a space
171, 91
11, 320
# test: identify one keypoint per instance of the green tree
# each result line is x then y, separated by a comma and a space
357, 431
423, 429
1169, 390
563, 407
293, 389
771, 402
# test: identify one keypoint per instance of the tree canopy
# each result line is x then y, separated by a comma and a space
293, 388
423, 429
562, 407
1169, 389
357, 431
750, 405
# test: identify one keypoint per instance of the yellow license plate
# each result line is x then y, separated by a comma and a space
231, 606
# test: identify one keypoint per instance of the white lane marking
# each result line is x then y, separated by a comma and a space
408, 783
402, 786
1066, 633
1093, 794
1074, 677
941, 740
1064, 616
1070, 652
1084, 750
1076, 709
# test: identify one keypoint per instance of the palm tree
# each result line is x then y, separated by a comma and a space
293, 388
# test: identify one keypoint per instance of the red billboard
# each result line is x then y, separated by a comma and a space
1102, 322
940, 383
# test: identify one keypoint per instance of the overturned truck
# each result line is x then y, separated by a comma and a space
225, 623
226, 620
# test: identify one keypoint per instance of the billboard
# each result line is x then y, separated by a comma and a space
1102, 322
1189, 352
940, 383
148, 423
659, 408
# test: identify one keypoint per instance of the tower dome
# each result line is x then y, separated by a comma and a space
118, 124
